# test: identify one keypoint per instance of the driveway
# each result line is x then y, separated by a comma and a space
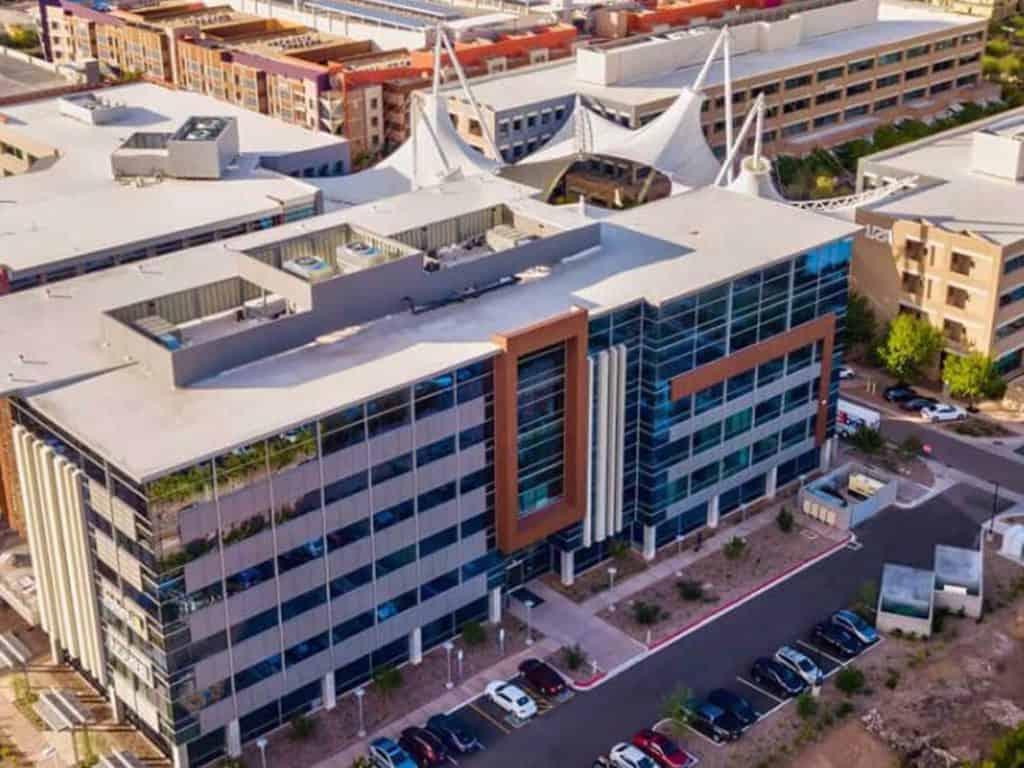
574, 733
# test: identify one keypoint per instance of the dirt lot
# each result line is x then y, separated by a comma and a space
336, 729
922, 700
768, 553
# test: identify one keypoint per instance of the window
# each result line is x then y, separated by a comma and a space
703, 477
893, 57
706, 438
887, 82
391, 516
436, 497
858, 88
1012, 265
770, 371
394, 561
441, 584
768, 409
831, 119
766, 88
392, 468
351, 580
883, 104
943, 66
736, 462
799, 359
797, 396
348, 535
796, 106
793, 434
708, 398
943, 45
830, 74
740, 384
738, 423
439, 541
794, 130
435, 451
914, 74
860, 66
800, 81
825, 98
858, 111
769, 446
392, 608
918, 50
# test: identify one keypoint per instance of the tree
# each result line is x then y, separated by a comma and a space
676, 705
861, 324
23, 38
1007, 752
911, 345
972, 377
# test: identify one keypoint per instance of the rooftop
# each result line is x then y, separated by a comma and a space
952, 193
897, 22
21, 77
68, 209
67, 365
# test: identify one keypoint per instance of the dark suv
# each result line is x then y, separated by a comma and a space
714, 722
769, 674
735, 705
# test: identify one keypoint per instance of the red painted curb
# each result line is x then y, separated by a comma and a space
660, 642
590, 681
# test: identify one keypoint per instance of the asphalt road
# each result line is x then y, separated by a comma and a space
574, 733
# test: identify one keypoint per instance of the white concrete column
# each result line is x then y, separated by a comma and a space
416, 646
327, 693
568, 568
116, 705
826, 454
494, 609
234, 739
179, 756
772, 482
713, 512
650, 532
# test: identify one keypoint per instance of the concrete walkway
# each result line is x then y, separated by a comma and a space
446, 701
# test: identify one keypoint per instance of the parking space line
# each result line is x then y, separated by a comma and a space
486, 716
772, 711
760, 690
708, 739
820, 652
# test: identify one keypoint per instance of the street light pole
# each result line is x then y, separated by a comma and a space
360, 693
448, 648
995, 509
529, 622
261, 742
611, 588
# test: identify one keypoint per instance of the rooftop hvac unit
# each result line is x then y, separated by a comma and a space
308, 267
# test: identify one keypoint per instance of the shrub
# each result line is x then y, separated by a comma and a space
850, 680
362, 762
893, 679
938, 621
388, 679
676, 705
806, 706
302, 727
997, 48
843, 709
474, 633
574, 656
690, 590
867, 600
646, 614
734, 548
618, 549
867, 440
784, 520
911, 446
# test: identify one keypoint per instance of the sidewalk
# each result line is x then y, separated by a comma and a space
445, 702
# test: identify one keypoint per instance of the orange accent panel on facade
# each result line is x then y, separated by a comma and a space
515, 533
821, 329
10, 493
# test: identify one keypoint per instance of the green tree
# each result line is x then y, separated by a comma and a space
997, 47
911, 345
989, 66
972, 377
23, 38
1010, 66
861, 324
1007, 752
676, 705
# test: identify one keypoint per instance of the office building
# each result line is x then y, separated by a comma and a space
829, 75
377, 421
986, 9
949, 244
122, 174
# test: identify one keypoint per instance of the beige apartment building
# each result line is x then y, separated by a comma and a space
985, 9
951, 246
828, 75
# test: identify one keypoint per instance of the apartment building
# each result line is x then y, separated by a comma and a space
100, 179
985, 9
828, 74
950, 247
356, 501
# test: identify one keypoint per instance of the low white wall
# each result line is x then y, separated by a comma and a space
954, 602
890, 622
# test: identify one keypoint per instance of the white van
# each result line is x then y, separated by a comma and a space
850, 417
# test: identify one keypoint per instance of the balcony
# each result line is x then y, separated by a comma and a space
913, 286
957, 297
915, 250
961, 264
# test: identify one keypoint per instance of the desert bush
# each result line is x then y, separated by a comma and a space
850, 680
690, 590
784, 519
574, 656
302, 727
647, 614
735, 548
806, 706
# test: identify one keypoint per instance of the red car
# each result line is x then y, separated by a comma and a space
542, 677
663, 750
424, 747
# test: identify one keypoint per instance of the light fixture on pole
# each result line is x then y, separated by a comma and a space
261, 742
611, 587
448, 648
529, 622
360, 693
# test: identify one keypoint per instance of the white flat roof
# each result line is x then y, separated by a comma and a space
897, 22
668, 248
75, 207
964, 200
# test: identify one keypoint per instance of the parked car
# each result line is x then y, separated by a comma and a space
627, 756
542, 677
898, 393
914, 404
512, 699
385, 753
856, 626
943, 412
837, 640
714, 722
769, 674
665, 752
424, 747
735, 704
455, 734
801, 664
846, 372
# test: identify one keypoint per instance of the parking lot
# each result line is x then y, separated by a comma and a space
491, 724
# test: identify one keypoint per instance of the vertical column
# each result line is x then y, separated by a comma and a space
826, 454
327, 693
234, 739
772, 482
416, 646
568, 568
116, 705
713, 512
649, 542
179, 756
494, 606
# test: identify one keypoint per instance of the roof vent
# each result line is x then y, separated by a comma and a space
998, 154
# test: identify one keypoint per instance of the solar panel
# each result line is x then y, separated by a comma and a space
372, 14
434, 10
